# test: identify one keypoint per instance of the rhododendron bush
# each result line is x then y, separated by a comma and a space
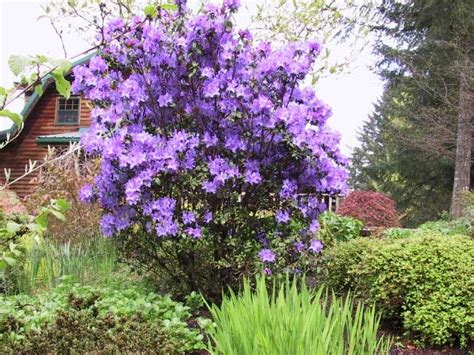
211, 145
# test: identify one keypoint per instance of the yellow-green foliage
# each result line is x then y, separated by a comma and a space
426, 281
294, 320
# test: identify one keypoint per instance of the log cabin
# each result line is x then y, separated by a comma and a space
49, 119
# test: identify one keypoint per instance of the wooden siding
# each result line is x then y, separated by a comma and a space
41, 121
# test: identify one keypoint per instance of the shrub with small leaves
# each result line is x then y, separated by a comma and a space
375, 209
425, 281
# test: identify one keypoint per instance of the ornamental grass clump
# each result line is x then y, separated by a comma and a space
207, 141
293, 320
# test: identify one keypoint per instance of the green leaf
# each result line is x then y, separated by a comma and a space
9, 261
3, 91
15, 117
58, 215
63, 86
18, 63
150, 11
62, 205
12, 227
60, 63
169, 7
39, 90
42, 221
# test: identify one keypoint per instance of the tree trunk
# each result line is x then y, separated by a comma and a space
462, 172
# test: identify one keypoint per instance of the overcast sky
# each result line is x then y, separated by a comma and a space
351, 95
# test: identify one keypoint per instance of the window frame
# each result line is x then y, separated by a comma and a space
56, 118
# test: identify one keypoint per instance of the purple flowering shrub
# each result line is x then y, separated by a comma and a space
208, 142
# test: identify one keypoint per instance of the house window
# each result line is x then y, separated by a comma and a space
68, 111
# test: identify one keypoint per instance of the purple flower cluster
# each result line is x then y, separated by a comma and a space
192, 119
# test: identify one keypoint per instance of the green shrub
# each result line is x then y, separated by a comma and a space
336, 228
293, 320
79, 319
424, 281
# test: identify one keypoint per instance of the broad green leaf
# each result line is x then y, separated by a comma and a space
41, 59
3, 91
39, 90
42, 221
63, 86
15, 117
60, 63
150, 10
10, 261
169, 7
12, 227
18, 63
62, 204
58, 215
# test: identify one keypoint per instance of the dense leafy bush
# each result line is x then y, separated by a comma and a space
293, 320
207, 142
375, 209
426, 282
336, 228
63, 178
80, 319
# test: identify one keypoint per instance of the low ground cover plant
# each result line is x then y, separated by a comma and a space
425, 282
292, 319
374, 209
74, 318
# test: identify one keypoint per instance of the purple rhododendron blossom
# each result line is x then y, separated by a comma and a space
194, 232
267, 256
282, 216
200, 118
87, 193
207, 217
252, 177
314, 226
299, 246
315, 246
189, 217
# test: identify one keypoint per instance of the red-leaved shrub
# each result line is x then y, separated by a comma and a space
375, 209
